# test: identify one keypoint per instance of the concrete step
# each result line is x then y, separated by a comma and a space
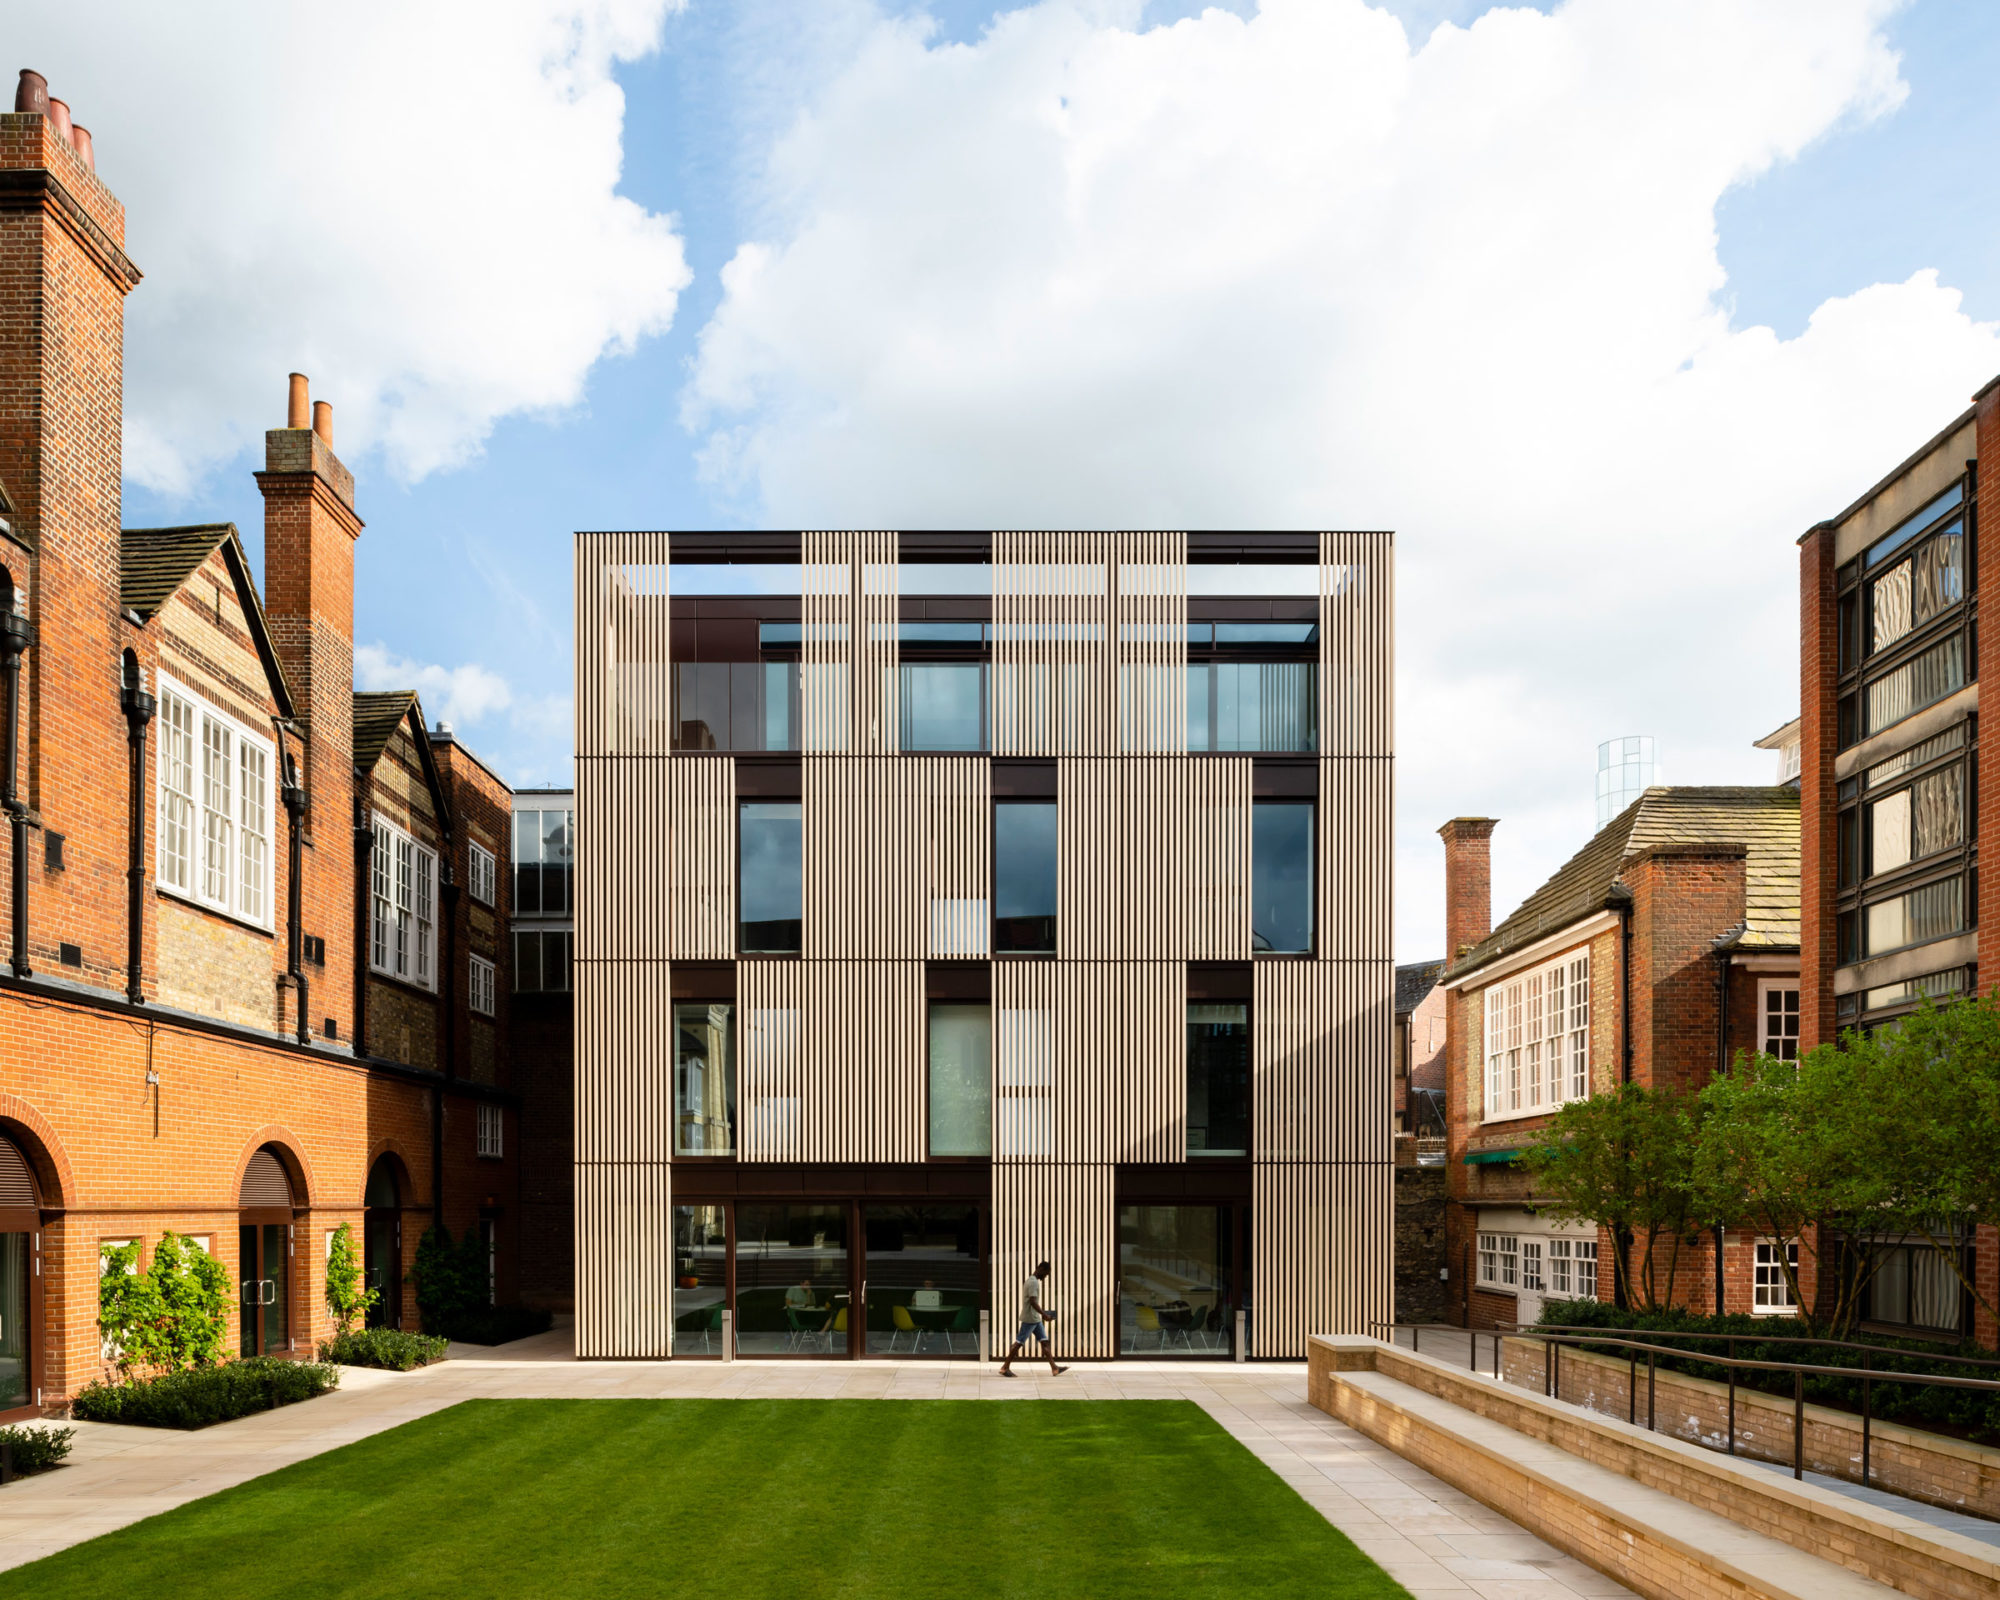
1644, 1537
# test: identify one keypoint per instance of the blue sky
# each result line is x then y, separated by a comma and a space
468, 565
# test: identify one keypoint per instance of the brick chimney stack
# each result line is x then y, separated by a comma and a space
1468, 882
309, 533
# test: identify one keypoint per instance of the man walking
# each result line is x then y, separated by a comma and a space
1034, 1320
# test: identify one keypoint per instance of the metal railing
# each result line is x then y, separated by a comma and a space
1554, 1336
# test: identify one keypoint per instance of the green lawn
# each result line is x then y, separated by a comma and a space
743, 1500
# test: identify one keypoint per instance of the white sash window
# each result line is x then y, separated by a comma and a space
1537, 1038
214, 793
402, 900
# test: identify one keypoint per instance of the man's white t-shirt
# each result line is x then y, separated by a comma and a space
1028, 1298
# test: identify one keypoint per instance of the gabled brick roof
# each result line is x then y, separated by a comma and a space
153, 563
377, 716
1415, 981
1764, 820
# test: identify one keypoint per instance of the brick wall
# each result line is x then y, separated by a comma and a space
1421, 1247
1684, 897
1819, 668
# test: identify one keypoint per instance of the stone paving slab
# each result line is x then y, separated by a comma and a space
1431, 1538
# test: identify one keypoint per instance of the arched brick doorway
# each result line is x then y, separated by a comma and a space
264, 1259
20, 1282
382, 1235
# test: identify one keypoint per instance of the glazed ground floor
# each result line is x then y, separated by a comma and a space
1209, 1261
121, 1124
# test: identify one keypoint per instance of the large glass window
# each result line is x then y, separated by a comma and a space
541, 961
1537, 1037
1218, 1057
770, 894
1924, 680
214, 808
792, 1294
1281, 876
922, 1275
1932, 912
942, 705
1252, 705
961, 1060
701, 1279
704, 1078
544, 861
1024, 876
738, 705
1173, 1281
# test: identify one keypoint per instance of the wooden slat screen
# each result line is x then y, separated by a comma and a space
624, 1260
1066, 1216
670, 890
1322, 1252
1357, 825
624, 685
1357, 644
847, 681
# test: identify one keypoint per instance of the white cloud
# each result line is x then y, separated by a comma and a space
463, 695
1292, 271
412, 202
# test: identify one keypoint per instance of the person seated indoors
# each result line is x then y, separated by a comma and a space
800, 1296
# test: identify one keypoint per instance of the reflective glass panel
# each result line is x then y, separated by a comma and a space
13, 1320
704, 1078
1252, 705
770, 893
1173, 1277
1924, 681
792, 1295
922, 1276
1281, 876
1932, 912
943, 705
701, 1263
1218, 1091
1024, 876
737, 705
961, 1064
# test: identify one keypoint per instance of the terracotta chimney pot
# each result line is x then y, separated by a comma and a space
79, 141
298, 414
31, 98
59, 119
323, 422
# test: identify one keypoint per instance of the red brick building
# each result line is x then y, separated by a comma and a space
1894, 789
252, 968
1420, 1021
1662, 948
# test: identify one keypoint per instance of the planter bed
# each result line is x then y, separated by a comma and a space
203, 1396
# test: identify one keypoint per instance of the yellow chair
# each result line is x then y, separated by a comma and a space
900, 1315
1149, 1322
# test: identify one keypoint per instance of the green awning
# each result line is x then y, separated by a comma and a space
1481, 1158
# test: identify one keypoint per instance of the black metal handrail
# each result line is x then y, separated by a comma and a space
1555, 1336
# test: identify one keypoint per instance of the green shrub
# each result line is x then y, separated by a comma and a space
383, 1347
450, 1278
36, 1448
1765, 1339
205, 1395
345, 1297
499, 1324
172, 1316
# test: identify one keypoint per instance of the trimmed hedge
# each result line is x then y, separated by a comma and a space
498, 1324
1973, 1412
205, 1395
36, 1449
383, 1347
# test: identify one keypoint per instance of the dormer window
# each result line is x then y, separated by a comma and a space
402, 941
215, 793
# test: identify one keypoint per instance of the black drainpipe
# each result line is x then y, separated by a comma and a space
16, 634
138, 707
448, 1005
294, 796
1723, 947
1620, 901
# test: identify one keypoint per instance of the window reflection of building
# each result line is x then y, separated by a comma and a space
704, 1079
1173, 1280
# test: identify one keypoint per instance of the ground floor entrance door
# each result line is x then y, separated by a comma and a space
264, 1268
922, 1268
382, 1266
17, 1341
794, 1280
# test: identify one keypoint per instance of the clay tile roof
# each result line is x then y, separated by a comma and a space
1415, 981
153, 563
376, 719
1764, 820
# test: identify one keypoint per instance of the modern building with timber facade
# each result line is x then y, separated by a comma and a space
1896, 786
947, 902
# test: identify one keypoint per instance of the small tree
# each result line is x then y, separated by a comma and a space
1625, 1161
346, 1297
129, 1312
192, 1288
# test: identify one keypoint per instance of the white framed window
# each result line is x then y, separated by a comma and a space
1771, 1294
1573, 1269
1537, 1038
479, 988
1499, 1261
1778, 1018
492, 1125
481, 872
1531, 1266
214, 828
402, 899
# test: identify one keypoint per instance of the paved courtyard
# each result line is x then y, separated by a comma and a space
1427, 1535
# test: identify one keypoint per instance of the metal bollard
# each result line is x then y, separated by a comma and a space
728, 1335
985, 1335
1242, 1336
